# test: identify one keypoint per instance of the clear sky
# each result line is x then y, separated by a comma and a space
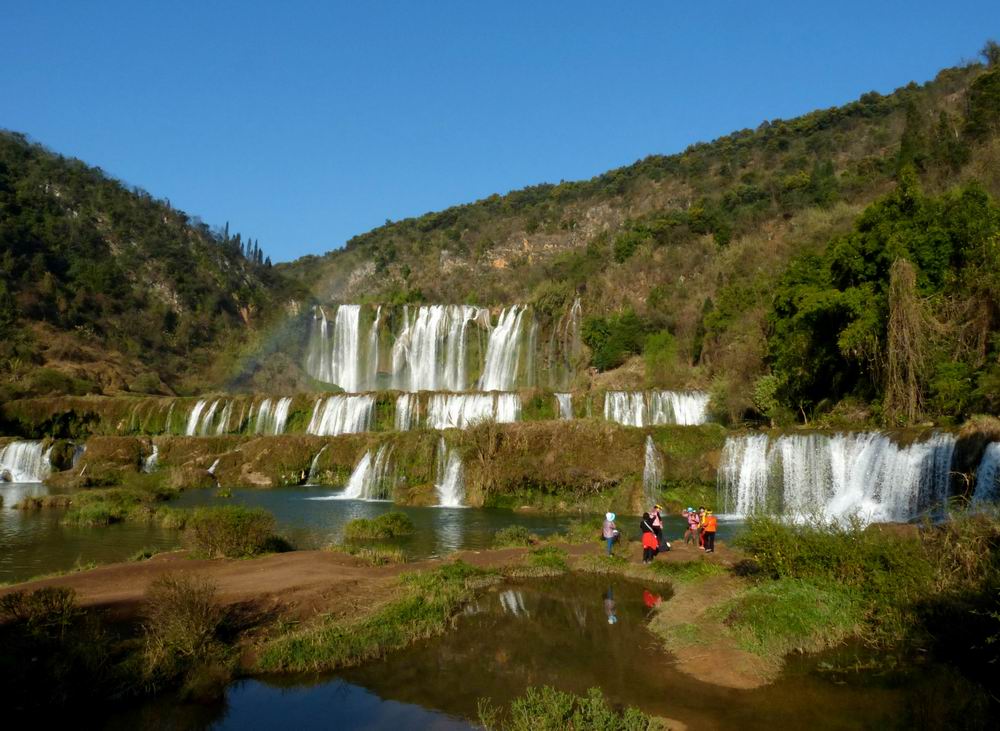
305, 123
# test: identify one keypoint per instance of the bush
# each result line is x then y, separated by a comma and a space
181, 627
548, 709
511, 536
388, 525
48, 611
232, 531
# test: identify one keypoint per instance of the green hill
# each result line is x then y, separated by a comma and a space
680, 258
105, 289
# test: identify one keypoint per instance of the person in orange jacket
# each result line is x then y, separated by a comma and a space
711, 524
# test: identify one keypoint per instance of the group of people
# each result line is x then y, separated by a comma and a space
702, 525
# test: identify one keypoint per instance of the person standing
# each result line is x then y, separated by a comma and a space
693, 521
608, 532
711, 523
701, 527
657, 522
650, 544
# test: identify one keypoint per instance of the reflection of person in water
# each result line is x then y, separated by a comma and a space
609, 606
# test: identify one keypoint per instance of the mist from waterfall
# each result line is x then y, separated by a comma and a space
862, 474
652, 408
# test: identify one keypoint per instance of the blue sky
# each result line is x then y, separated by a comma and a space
305, 123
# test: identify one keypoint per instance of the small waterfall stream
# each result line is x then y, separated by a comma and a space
651, 408
24, 461
449, 484
342, 414
373, 478
564, 405
500, 371
151, 461
988, 476
652, 472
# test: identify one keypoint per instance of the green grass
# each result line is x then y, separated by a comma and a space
686, 570
548, 557
425, 608
373, 555
513, 536
782, 616
384, 527
549, 709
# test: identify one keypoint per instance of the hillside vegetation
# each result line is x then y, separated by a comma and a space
751, 265
105, 289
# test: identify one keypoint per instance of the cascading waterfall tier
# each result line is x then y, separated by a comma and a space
342, 414
271, 417
407, 407
652, 472
426, 348
461, 410
564, 405
652, 408
449, 484
988, 476
373, 478
23, 461
816, 476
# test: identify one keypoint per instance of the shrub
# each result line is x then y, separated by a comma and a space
548, 709
232, 531
388, 525
512, 535
48, 611
182, 621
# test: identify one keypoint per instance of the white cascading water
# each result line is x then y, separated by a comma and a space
224, 417
373, 478
311, 479
430, 352
500, 370
652, 472
866, 475
564, 403
988, 476
448, 484
406, 411
272, 419
342, 414
194, 418
652, 408
151, 461
458, 411
24, 462
335, 353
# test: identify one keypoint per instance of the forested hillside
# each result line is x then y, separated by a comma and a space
840, 264
105, 289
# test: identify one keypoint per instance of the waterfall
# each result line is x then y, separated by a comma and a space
988, 476
430, 352
833, 477
151, 460
227, 412
406, 411
24, 462
651, 408
652, 472
500, 371
564, 404
194, 417
272, 421
458, 411
214, 467
342, 414
335, 354
311, 479
449, 484
372, 478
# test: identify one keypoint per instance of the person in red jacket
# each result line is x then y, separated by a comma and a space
650, 543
